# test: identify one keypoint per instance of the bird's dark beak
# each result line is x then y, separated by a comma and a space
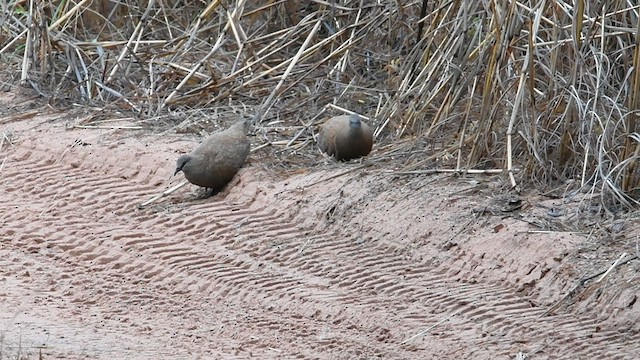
182, 161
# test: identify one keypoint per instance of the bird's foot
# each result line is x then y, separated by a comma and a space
208, 192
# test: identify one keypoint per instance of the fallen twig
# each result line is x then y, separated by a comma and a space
431, 327
162, 194
338, 175
581, 282
612, 267
115, 127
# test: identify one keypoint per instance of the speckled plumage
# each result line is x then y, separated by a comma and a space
214, 162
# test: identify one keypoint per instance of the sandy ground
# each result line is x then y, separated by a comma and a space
310, 265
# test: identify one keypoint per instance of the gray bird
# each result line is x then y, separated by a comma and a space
345, 137
214, 162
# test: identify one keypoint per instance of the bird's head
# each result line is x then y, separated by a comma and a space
354, 121
181, 162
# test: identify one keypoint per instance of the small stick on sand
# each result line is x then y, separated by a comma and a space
445, 171
6, 137
611, 267
162, 194
552, 232
465, 226
50, 206
337, 175
115, 127
574, 292
430, 327
81, 142
305, 245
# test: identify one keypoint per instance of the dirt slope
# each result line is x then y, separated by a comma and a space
364, 265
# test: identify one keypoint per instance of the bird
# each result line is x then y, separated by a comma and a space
215, 161
345, 137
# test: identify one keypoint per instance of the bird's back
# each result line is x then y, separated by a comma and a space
219, 157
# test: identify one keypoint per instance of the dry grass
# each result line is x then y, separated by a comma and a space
545, 91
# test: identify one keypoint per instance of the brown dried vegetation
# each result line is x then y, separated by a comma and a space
544, 91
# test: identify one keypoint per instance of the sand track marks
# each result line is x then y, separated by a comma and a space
257, 278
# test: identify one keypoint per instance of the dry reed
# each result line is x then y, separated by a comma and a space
546, 91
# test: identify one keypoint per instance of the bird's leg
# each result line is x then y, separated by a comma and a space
209, 192
204, 193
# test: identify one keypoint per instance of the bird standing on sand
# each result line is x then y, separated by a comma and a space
345, 137
214, 162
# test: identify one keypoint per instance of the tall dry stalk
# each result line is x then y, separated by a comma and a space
545, 89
